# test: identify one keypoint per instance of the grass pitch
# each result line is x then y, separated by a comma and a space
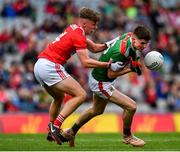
90, 142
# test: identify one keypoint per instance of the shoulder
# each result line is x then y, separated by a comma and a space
125, 43
76, 29
76, 32
126, 36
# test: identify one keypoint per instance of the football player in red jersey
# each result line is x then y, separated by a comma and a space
50, 73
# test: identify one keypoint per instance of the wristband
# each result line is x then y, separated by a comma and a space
109, 64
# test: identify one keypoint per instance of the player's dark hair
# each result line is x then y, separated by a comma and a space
89, 14
142, 32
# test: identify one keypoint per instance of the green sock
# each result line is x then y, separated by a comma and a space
75, 128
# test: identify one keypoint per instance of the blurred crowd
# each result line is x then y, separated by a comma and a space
27, 26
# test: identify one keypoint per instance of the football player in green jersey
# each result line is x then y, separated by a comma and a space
125, 49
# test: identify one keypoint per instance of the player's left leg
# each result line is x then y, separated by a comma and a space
129, 107
127, 104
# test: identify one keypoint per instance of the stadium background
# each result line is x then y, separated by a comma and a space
27, 26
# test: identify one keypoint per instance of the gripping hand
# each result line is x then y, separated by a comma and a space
109, 43
136, 67
116, 66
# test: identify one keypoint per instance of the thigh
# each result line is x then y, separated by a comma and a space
122, 100
99, 104
69, 86
54, 92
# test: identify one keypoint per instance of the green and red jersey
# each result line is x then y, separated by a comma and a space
122, 50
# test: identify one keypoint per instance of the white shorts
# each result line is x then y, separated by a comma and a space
102, 89
49, 72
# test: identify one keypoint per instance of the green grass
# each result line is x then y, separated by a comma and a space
90, 142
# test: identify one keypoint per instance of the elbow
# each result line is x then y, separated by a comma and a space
98, 48
110, 76
93, 49
85, 64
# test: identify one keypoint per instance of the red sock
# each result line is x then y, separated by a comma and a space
59, 120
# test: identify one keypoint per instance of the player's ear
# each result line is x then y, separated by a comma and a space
83, 21
83, 25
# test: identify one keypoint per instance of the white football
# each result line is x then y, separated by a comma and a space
153, 60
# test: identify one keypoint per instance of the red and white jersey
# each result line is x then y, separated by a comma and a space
66, 44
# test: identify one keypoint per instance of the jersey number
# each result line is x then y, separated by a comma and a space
59, 37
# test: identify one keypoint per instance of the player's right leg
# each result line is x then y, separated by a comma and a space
97, 108
54, 109
53, 113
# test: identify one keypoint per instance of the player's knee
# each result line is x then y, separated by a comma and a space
133, 107
97, 112
57, 102
82, 96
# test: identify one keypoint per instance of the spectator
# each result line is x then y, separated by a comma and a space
23, 35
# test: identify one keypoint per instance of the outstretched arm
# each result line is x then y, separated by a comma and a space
95, 47
88, 62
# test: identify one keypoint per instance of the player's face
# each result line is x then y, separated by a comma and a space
139, 44
90, 27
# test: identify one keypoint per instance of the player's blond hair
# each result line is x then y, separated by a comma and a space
90, 14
